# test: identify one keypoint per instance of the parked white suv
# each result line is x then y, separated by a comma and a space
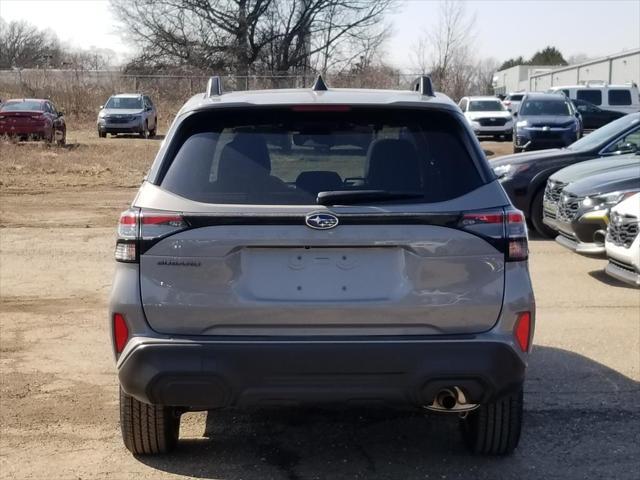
618, 98
512, 101
487, 116
623, 242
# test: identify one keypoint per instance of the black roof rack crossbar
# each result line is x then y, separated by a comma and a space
214, 87
423, 85
319, 85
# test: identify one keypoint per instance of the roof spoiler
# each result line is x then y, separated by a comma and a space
423, 85
214, 87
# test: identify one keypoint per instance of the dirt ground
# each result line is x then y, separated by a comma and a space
58, 389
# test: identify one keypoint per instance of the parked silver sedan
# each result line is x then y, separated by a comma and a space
128, 113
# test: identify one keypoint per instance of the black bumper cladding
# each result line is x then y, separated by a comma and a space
236, 373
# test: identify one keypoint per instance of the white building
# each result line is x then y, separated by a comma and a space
620, 68
623, 67
516, 79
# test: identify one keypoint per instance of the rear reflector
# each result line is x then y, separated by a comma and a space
522, 331
120, 332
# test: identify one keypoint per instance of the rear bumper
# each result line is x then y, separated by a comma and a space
39, 132
214, 374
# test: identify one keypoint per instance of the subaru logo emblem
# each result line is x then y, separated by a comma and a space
321, 221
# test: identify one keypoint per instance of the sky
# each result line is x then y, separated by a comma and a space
504, 28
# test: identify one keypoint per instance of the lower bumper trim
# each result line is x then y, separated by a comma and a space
626, 275
219, 374
581, 247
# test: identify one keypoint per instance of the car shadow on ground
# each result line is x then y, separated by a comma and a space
568, 398
602, 276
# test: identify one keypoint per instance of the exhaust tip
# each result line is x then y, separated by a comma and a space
451, 399
447, 399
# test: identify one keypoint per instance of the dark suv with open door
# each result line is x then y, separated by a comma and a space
321, 246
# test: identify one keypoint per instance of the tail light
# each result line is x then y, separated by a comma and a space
120, 332
507, 225
516, 235
140, 229
522, 331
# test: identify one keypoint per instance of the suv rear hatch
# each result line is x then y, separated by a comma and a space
376, 221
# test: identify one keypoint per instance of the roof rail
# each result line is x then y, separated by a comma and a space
214, 87
319, 85
423, 85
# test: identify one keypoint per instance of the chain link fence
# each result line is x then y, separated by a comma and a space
79, 93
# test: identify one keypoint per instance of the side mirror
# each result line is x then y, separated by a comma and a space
60, 113
514, 114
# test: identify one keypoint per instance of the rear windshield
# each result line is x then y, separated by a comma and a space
287, 156
554, 106
486, 106
26, 106
124, 103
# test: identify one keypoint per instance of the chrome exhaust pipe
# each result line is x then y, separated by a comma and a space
452, 400
447, 399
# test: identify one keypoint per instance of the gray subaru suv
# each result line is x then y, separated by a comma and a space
321, 246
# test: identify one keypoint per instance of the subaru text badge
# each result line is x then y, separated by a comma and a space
321, 221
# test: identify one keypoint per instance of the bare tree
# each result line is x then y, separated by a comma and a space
24, 46
240, 36
485, 70
446, 51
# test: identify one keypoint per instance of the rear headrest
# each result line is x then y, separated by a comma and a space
393, 165
245, 155
318, 181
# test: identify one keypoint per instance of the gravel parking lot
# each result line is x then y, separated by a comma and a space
58, 411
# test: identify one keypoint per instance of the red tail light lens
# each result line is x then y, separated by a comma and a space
497, 225
138, 230
120, 332
127, 242
522, 331
160, 224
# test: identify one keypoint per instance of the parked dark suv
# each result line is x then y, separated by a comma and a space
545, 120
524, 175
321, 246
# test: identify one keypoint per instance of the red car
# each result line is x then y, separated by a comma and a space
32, 118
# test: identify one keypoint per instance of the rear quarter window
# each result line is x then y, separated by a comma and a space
591, 96
282, 156
619, 97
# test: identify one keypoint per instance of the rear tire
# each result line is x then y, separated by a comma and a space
537, 214
148, 429
494, 428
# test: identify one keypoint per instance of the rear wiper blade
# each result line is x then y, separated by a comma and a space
345, 197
